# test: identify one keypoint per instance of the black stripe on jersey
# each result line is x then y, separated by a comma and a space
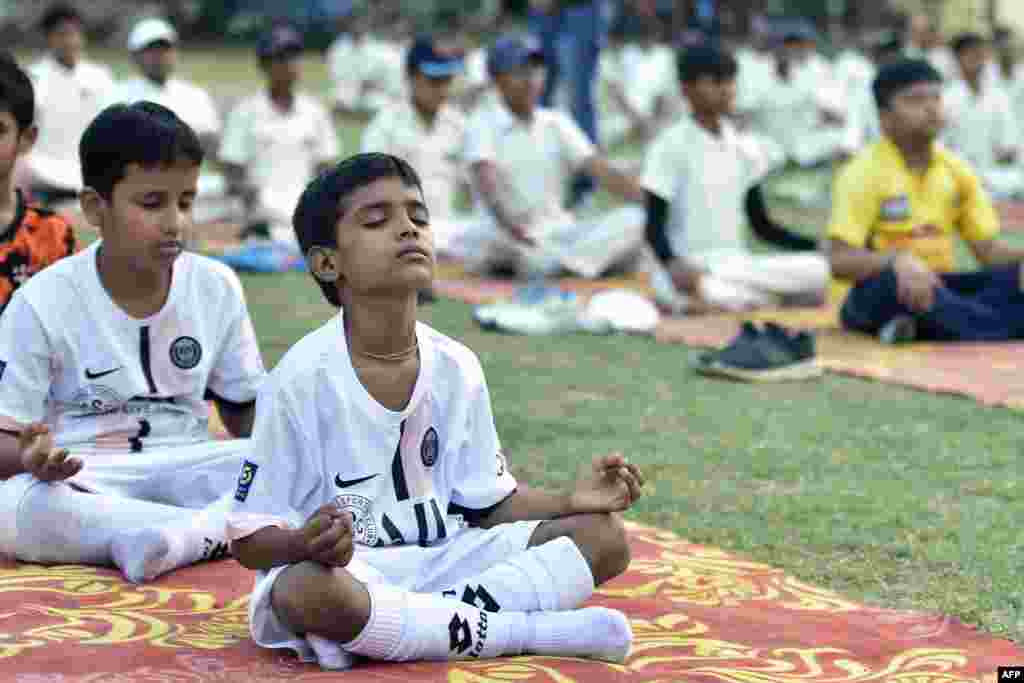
210, 395
397, 470
421, 522
147, 370
438, 519
10, 432
393, 532
475, 517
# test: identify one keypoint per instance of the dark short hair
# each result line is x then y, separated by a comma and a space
321, 205
143, 133
966, 41
58, 14
898, 76
17, 96
697, 62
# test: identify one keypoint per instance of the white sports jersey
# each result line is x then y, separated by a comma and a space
108, 383
189, 101
67, 100
321, 437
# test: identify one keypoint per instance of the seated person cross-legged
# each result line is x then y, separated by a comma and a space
896, 208
521, 158
699, 178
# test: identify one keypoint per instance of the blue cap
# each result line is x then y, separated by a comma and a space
513, 51
432, 60
798, 29
279, 41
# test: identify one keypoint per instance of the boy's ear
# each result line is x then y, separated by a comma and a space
27, 140
323, 263
93, 206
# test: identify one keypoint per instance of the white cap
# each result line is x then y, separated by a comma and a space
149, 31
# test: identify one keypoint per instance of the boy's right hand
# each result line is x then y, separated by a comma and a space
328, 535
40, 459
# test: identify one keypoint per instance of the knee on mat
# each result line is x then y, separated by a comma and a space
306, 599
604, 536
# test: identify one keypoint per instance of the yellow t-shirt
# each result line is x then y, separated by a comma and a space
880, 204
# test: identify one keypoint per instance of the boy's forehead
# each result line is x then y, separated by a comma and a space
383, 190
181, 175
922, 89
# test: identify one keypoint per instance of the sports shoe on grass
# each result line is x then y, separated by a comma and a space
773, 354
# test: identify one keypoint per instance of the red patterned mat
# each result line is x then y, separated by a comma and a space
698, 614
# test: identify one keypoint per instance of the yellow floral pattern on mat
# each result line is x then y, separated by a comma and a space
675, 593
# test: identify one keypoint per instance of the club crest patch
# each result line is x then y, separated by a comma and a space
429, 448
364, 527
245, 480
186, 353
896, 208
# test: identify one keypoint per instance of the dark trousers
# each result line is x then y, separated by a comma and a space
987, 305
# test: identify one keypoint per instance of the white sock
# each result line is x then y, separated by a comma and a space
550, 577
196, 535
405, 626
59, 525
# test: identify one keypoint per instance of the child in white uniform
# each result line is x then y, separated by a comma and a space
107, 360
377, 502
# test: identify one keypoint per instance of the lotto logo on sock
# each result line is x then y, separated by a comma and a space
3, 366
245, 480
1010, 673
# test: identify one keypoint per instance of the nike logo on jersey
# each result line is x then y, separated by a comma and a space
89, 374
343, 484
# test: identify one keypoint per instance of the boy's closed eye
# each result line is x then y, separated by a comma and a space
379, 214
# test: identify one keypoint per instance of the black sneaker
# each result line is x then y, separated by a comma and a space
773, 355
747, 334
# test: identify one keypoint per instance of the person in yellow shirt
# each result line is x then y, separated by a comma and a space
898, 208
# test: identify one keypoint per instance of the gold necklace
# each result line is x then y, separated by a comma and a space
390, 357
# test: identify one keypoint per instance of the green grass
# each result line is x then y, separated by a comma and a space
893, 497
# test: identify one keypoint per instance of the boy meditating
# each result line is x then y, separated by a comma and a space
899, 207
376, 504
107, 360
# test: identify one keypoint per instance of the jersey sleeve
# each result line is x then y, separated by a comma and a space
979, 220
662, 167
761, 154
855, 207
26, 362
277, 476
478, 143
576, 147
482, 479
236, 146
238, 371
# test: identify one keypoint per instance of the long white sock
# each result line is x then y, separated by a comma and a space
59, 525
548, 577
407, 626
195, 535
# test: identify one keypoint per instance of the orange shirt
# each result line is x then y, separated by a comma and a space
34, 239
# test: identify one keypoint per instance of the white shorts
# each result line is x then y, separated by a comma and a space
188, 476
465, 554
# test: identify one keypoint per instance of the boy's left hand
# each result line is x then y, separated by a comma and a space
611, 484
